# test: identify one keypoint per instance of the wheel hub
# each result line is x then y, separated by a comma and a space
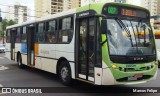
64, 73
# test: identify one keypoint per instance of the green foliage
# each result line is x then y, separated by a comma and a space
4, 24
11, 22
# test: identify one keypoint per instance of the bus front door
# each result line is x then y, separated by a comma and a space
13, 38
86, 48
30, 45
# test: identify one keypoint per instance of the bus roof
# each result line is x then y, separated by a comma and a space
71, 11
24, 23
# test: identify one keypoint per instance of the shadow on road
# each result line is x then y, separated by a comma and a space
77, 86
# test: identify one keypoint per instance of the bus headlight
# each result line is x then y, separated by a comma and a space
114, 66
156, 63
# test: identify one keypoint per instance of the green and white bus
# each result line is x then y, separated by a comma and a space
102, 44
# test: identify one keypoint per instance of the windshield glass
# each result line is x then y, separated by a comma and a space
130, 37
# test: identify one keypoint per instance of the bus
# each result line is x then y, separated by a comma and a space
157, 39
98, 43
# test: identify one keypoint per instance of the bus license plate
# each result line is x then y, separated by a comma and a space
131, 78
138, 75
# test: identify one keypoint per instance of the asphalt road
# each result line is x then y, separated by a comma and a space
12, 76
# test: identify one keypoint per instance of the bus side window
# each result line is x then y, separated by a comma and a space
18, 35
24, 34
16, 38
8, 36
66, 30
41, 33
51, 31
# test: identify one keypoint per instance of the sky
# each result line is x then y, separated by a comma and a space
30, 4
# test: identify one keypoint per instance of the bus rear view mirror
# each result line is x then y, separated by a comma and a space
104, 26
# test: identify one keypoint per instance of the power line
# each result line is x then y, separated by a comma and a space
29, 9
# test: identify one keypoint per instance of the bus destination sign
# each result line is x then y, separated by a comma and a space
125, 11
128, 12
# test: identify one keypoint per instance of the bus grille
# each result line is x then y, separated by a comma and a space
134, 69
125, 79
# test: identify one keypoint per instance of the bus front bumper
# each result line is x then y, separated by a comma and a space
113, 76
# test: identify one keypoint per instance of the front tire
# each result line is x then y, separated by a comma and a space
19, 61
65, 73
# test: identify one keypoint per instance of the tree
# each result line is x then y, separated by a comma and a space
3, 26
11, 22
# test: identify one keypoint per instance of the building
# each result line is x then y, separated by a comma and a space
120, 1
151, 5
86, 2
70, 4
75, 3
42, 7
18, 13
67, 4
56, 6
48, 7
158, 7
154, 7
155, 22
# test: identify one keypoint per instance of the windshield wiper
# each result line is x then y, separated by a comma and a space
121, 24
139, 23
144, 29
138, 34
134, 36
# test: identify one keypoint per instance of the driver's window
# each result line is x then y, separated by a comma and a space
114, 33
112, 28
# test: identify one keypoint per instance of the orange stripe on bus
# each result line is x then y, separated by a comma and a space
36, 49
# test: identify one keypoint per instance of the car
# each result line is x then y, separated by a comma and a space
158, 54
2, 49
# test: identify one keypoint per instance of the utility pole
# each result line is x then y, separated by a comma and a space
0, 25
0, 16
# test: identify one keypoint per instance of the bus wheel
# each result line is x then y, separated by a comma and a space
65, 73
19, 61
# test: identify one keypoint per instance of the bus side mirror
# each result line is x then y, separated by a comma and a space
0, 19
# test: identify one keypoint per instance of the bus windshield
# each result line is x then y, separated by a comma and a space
129, 37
